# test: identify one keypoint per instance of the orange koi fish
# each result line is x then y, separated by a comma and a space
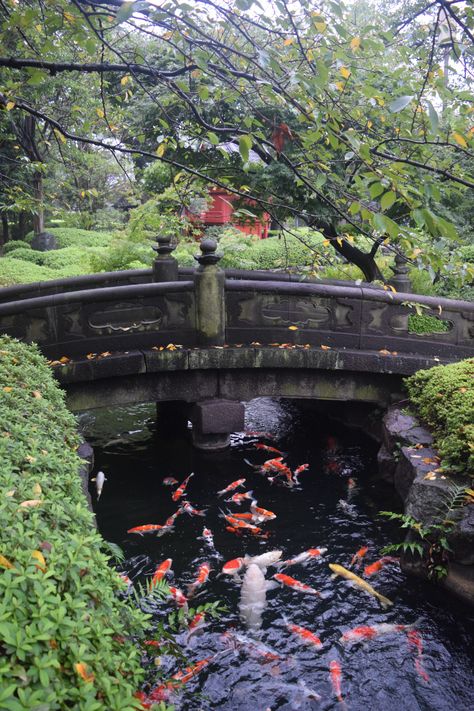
202, 576
415, 640
189, 509
231, 487
198, 621
378, 565
261, 514
244, 516
295, 584
181, 489
272, 465
234, 530
170, 481
335, 671
311, 553
299, 470
189, 672
179, 597
357, 557
238, 523
150, 528
171, 519
152, 643
161, 571
232, 567
306, 635
238, 498
266, 448
368, 632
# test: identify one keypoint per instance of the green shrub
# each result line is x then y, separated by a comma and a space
15, 244
69, 257
119, 255
27, 255
421, 282
444, 398
16, 271
58, 596
74, 237
424, 324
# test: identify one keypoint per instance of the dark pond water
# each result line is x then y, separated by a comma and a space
273, 668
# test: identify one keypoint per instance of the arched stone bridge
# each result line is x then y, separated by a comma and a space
208, 334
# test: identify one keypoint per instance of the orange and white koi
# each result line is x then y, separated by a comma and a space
336, 673
415, 640
247, 516
295, 584
357, 557
378, 565
181, 489
170, 481
243, 525
171, 519
261, 514
238, 498
306, 635
368, 632
189, 509
161, 571
125, 578
197, 623
178, 596
231, 487
310, 554
266, 448
150, 528
191, 671
272, 465
202, 576
300, 469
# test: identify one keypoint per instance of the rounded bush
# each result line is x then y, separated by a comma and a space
15, 244
27, 255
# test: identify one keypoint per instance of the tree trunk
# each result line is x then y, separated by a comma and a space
5, 229
38, 193
22, 225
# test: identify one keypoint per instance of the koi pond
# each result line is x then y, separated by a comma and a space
277, 644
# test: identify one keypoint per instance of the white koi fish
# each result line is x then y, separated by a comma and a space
253, 597
99, 483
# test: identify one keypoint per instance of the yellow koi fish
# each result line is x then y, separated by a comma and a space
349, 575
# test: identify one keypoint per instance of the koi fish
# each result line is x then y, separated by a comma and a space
299, 470
207, 537
264, 559
378, 565
272, 465
415, 640
152, 643
349, 575
171, 519
243, 516
196, 624
234, 530
232, 567
161, 571
345, 507
253, 597
178, 596
306, 635
231, 487
238, 498
368, 632
266, 448
191, 671
189, 509
311, 553
181, 489
295, 584
170, 481
261, 514
202, 576
335, 672
99, 483
357, 557
125, 578
150, 528
254, 648
238, 523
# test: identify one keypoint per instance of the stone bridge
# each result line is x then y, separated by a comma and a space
211, 338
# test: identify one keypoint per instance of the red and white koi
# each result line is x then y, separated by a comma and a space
161, 571
196, 624
232, 486
260, 514
378, 565
189, 509
207, 537
266, 448
171, 519
191, 671
238, 498
357, 557
181, 489
243, 525
310, 554
150, 528
295, 584
369, 632
170, 481
307, 636
336, 674
202, 576
178, 596
299, 470
415, 640
124, 577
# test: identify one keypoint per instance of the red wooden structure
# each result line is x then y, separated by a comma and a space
221, 210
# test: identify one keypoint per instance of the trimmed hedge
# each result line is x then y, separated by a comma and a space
66, 637
15, 244
444, 398
75, 237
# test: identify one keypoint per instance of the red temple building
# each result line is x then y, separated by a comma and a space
221, 212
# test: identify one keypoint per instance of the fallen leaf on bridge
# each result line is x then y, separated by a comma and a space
64, 360
384, 351
90, 356
157, 348
292, 328
430, 476
105, 354
255, 343
325, 348
429, 460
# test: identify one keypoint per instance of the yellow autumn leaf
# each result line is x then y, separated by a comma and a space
124, 80
7, 389
339, 85
460, 140
37, 394
345, 72
37, 555
10, 105
59, 135
100, 113
355, 43
4, 562
326, 242
83, 671
161, 150
369, 124
288, 41
292, 328
320, 26
30, 503
309, 55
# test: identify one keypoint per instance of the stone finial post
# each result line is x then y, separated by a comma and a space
165, 266
209, 288
400, 280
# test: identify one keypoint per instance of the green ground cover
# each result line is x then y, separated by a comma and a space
67, 640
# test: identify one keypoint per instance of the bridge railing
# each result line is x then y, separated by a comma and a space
207, 306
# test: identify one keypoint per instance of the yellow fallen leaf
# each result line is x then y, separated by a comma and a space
83, 672
430, 476
345, 72
292, 328
64, 359
4, 562
384, 351
326, 242
30, 503
37, 394
37, 555
7, 389
320, 26
37, 490
325, 348
10, 105
124, 80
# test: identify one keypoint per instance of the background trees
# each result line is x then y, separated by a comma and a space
361, 118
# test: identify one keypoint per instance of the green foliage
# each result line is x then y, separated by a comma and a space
444, 398
425, 324
16, 271
15, 244
58, 600
75, 237
27, 254
121, 254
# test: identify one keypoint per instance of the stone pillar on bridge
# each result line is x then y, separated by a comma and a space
165, 266
214, 420
400, 280
209, 286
